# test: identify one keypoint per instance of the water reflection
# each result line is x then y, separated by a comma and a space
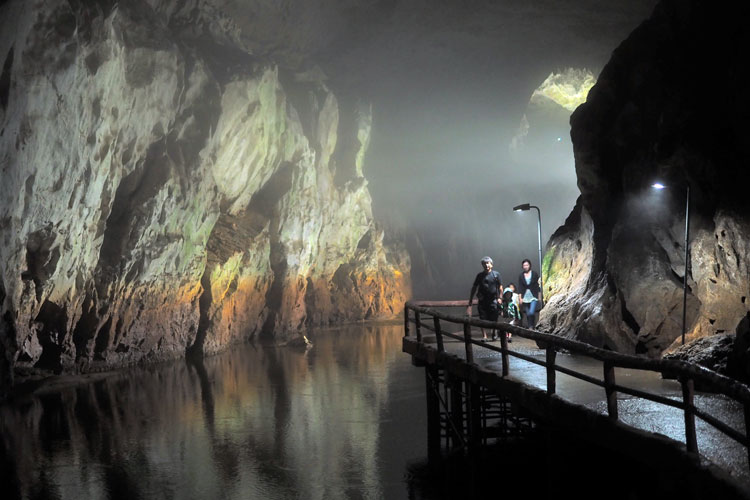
256, 422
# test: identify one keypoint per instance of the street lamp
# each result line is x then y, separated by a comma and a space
659, 186
522, 208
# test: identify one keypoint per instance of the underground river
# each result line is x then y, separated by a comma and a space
341, 420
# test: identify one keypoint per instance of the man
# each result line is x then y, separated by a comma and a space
530, 292
489, 290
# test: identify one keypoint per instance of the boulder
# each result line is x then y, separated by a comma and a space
711, 352
725, 353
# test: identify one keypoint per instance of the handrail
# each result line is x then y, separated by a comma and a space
720, 383
686, 373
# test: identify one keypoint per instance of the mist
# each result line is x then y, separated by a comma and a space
450, 86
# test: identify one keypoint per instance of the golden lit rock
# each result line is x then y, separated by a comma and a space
568, 89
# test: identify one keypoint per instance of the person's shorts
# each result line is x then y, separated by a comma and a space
488, 311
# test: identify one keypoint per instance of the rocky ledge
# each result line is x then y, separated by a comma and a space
725, 353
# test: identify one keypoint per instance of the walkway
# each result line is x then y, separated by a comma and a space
626, 389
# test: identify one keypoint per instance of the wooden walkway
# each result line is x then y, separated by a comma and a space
470, 406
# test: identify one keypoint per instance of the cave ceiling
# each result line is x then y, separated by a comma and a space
369, 41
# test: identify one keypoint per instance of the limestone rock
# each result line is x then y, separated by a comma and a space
668, 106
551, 103
156, 198
725, 353
711, 352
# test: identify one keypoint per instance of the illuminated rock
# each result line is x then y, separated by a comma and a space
155, 198
567, 89
548, 112
575, 307
643, 122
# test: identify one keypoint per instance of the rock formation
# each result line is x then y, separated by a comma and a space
670, 105
725, 353
164, 190
551, 103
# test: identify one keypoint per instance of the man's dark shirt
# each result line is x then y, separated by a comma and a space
488, 286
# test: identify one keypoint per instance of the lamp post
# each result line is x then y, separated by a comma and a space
661, 186
522, 208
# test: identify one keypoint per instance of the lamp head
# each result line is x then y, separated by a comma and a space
658, 185
521, 208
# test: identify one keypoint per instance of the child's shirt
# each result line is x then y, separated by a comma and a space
510, 310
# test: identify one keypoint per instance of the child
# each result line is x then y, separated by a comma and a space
509, 309
516, 298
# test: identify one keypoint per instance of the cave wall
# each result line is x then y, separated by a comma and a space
164, 190
671, 106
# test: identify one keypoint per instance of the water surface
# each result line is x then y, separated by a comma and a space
342, 420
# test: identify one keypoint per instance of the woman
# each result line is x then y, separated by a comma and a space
530, 292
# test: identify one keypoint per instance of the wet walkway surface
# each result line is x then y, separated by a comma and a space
713, 445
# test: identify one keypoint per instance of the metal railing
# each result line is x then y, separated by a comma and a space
422, 315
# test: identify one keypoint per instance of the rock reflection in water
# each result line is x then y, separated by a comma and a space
256, 422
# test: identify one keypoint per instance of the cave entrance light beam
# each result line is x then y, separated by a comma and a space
659, 186
522, 208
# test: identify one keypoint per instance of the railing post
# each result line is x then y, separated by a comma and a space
551, 373
406, 320
433, 413
609, 389
456, 409
474, 416
467, 342
747, 431
688, 393
438, 334
418, 323
504, 353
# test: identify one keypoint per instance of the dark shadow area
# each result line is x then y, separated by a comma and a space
5, 80
53, 320
548, 465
